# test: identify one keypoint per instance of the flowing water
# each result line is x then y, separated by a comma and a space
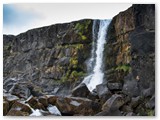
95, 63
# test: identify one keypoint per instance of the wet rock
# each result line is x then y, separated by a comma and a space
5, 108
19, 109
131, 86
77, 106
17, 113
20, 90
11, 99
80, 91
43, 100
33, 102
113, 103
52, 99
54, 110
103, 92
114, 86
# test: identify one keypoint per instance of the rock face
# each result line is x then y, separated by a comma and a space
43, 68
130, 54
48, 56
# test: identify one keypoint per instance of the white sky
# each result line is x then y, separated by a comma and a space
52, 13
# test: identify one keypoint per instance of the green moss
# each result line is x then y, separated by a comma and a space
75, 75
82, 28
150, 112
125, 68
73, 62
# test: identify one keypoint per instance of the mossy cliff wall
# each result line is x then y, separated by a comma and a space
49, 55
130, 54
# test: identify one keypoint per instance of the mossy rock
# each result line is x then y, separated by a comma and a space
125, 68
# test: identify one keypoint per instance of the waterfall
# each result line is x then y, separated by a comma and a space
95, 63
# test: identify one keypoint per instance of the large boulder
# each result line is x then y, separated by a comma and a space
20, 90
77, 106
52, 99
5, 108
11, 99
113, 103
19, 109
114, 86
103, 92
33, 102
43, 100
80, 91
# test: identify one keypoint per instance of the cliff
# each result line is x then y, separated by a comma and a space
130, 56
48, 56
52, 61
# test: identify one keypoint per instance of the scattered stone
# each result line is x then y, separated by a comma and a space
52, 99
114, 86
33, 102
135, 101
43, 100
10, 99
5, 108
80, 91
113, 103
17, 113
103, 92
54, 110
19, 109
77, 106
20, 90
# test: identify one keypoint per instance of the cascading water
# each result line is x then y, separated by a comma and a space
96, 75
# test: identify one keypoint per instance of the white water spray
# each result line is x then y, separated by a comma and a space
96, 77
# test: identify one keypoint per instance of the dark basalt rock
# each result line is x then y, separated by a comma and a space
80, 91
103, 92
20, 90
114, 86
19, 109
113, 103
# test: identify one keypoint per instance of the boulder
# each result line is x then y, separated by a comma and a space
19, 109
136, 101
43, 100
52, 99
54, 110
33, 102
130, 86
17, 113
80, 91
5, 108
114, 86
77, 106
11, 99
113, 103
103, 92
21, 91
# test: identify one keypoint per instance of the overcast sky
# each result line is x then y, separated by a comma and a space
19, 18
